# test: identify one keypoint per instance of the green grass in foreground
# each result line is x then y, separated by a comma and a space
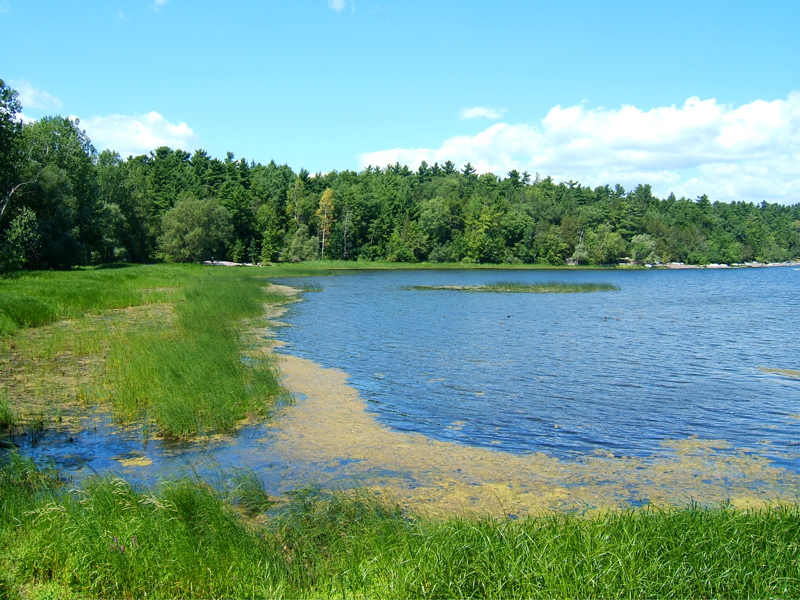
187, 539
552, 287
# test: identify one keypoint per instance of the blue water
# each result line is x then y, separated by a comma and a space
671, 354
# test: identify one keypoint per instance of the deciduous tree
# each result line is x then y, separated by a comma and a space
325, 216
195, 230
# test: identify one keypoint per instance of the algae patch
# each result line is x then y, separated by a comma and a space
329, 427
134, 461
790, 373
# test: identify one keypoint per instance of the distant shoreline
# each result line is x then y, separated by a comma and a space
312, 267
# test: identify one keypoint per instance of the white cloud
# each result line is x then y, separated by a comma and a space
138, 134
340, 5
31, 97
157, 4
481, 112
750, 152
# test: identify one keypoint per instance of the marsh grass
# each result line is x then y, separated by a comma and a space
7, 416
187, 539
190, 378
42, 297
552, 287
164, 344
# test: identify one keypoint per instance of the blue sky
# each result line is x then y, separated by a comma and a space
691, 97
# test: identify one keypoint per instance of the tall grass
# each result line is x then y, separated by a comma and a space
193, 377
41, 297
7, 416
184, 539
190, 367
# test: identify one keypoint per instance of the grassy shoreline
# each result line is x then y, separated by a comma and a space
160, 344
132, 337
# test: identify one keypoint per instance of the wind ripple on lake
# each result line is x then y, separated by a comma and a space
672, 355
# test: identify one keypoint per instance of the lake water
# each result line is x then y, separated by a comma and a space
659, 391
672, 354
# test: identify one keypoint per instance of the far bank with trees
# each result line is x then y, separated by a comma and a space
63, 204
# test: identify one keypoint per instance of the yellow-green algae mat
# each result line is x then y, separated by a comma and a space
330, 424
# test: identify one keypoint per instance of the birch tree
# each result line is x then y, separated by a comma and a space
325, 216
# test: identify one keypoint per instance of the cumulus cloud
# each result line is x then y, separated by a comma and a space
31, 97
138, 134
750, 152
481, 112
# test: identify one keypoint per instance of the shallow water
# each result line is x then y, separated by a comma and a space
672, 354
678, 386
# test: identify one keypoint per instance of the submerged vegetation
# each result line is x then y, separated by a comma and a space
552, 287
790, 373
188, 539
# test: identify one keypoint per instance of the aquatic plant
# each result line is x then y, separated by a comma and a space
552, 287
247, 491
7, 416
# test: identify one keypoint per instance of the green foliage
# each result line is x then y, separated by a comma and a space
92, 209
7, 416
195, 230
10, 128
325, 217
22, 242
186, 539
301, 246
643, 249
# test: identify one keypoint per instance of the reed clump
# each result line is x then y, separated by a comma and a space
188, 539
193, 377
7, 416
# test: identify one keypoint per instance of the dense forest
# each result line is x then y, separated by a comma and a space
63, 204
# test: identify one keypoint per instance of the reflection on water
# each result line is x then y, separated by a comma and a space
678, 386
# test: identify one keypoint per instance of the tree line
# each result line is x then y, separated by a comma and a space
63, 204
